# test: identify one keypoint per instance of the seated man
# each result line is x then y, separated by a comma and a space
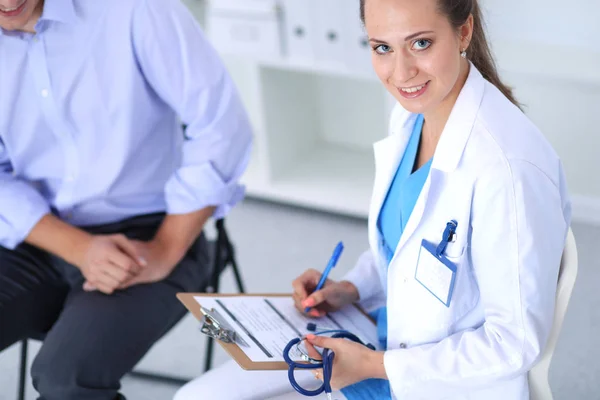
101, 191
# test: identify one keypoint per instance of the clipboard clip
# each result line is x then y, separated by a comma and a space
213, 327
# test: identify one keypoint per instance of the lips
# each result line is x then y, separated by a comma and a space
414, 91
12, 11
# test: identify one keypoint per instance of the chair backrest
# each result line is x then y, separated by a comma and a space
539, 386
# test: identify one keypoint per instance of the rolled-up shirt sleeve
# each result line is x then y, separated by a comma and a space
187, 73
21, 205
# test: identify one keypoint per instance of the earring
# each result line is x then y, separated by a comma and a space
463, 54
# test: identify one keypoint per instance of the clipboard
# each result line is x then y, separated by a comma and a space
232, 348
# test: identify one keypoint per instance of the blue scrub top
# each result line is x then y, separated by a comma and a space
395, 212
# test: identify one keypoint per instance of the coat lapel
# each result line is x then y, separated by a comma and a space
388, 154
448, 152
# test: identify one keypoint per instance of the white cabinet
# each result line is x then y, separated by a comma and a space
315, 110
299, 30
331, 36
317, 107
250, 27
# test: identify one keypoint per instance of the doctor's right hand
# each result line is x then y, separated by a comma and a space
332, 297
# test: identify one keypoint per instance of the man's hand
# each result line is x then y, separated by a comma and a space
160, 261
110, 261
159, 256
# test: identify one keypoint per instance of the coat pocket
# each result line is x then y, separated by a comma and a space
436, 315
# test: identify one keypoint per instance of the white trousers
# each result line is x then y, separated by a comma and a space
230, 382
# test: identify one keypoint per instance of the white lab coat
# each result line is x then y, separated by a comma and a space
497, 176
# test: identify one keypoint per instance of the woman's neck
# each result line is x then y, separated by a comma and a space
435, 120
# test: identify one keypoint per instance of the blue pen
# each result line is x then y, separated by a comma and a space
332, 262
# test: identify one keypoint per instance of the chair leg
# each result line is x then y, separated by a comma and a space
230, 259
214, 286
224, 255
23, 370
236, 272
209, 354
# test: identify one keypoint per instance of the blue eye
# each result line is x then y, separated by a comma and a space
421, 44
382, 49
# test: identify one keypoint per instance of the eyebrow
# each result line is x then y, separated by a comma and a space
409, 37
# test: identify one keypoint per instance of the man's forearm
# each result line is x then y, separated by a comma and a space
59, 238
176, 234
178, 231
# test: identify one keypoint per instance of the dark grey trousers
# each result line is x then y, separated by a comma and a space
97, 338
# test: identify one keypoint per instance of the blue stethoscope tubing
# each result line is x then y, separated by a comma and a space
326, 364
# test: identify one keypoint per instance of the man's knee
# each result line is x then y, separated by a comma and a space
53, 377
61, 375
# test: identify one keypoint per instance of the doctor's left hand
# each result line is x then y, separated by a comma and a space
352, 363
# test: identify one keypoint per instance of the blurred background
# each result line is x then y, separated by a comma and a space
303, 70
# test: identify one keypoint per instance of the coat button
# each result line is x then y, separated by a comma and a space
402, 345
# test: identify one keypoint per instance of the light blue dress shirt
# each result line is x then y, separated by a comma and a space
91, 108
395, 212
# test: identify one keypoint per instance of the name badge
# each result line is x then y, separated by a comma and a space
434, 271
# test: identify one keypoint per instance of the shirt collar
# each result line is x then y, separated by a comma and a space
59, 11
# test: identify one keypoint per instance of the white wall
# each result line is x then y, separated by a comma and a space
549, 51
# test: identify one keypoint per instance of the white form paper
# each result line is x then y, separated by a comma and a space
268, 323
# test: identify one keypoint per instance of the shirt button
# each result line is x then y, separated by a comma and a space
45, 93
402, 345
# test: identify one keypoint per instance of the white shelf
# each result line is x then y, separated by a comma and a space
314, 122
324, 69
329, 178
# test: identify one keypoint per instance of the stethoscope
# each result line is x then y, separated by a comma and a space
326, 363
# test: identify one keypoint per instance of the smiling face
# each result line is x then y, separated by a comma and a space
19, 14
416, 52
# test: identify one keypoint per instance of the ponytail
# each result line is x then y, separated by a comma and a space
479, 51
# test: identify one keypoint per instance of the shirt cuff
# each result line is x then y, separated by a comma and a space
195, 187
18, 217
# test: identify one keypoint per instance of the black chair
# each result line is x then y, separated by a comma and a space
223, 255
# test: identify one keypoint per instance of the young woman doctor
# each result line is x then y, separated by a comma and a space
461, 159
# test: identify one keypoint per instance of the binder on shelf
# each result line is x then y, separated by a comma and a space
358, 55
331, 35
244, 6
251, 27
299, 30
